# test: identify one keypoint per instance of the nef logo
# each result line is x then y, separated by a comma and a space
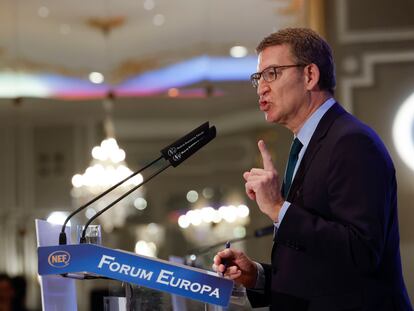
59, 259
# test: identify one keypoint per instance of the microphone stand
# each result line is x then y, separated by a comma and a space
258, 233
206, 249
62, 236
176, 153
83, 238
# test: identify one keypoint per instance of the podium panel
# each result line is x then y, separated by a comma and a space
95, 260
57, 293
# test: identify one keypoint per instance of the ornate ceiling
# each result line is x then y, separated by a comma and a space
57, 43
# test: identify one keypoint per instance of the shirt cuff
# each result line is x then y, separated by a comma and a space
261, 279
282, 213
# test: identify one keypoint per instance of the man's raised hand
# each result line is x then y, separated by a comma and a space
262, 185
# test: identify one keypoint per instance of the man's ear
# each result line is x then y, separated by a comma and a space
312, 75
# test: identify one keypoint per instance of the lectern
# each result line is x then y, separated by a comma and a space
58, 265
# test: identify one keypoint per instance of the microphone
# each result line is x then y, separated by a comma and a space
175, 154
258, 233
183, 148
203, 128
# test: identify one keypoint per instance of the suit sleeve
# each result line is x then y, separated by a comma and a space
361, 190
258, 297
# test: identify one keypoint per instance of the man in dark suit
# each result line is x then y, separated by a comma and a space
336, 243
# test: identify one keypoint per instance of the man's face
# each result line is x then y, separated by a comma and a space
281, 99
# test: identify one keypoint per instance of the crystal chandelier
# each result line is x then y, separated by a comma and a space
108, 165
106, 168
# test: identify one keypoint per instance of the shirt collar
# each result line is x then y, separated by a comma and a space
309, 127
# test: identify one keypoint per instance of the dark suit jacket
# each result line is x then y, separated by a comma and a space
337, 247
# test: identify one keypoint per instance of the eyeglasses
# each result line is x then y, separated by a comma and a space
270, 74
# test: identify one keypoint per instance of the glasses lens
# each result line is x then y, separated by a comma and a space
254, 78
269, 74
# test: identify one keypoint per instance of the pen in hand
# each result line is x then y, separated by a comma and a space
227, 245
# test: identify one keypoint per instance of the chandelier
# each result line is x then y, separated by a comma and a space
107, 168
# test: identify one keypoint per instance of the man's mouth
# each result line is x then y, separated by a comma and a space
264, 105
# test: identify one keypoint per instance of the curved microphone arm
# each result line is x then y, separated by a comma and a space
83, 238
62, 236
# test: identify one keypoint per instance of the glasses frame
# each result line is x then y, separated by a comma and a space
255, 77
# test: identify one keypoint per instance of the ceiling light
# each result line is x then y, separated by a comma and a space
208, 193
173, 92
183, 221
96, 77
243, 211
192, 196
140, 204
195, 217
146, 248
207, 214
228, 213
43, 12
105, 170
238, 51
149, 5
158, 20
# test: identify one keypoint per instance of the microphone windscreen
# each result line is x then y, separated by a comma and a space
180, 144
177, 155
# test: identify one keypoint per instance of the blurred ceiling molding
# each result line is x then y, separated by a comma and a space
106, 24
347, 36
367, 75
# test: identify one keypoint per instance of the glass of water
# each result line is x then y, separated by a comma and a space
93, 234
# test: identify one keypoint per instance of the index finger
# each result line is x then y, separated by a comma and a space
266, 157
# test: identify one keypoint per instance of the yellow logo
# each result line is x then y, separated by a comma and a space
59, 259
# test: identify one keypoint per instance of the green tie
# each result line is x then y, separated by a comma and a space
293, 159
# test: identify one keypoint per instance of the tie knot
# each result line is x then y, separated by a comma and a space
296, 147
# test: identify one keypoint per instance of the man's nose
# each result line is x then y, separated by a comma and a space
262, 87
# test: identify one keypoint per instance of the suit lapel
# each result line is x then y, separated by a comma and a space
314, 145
